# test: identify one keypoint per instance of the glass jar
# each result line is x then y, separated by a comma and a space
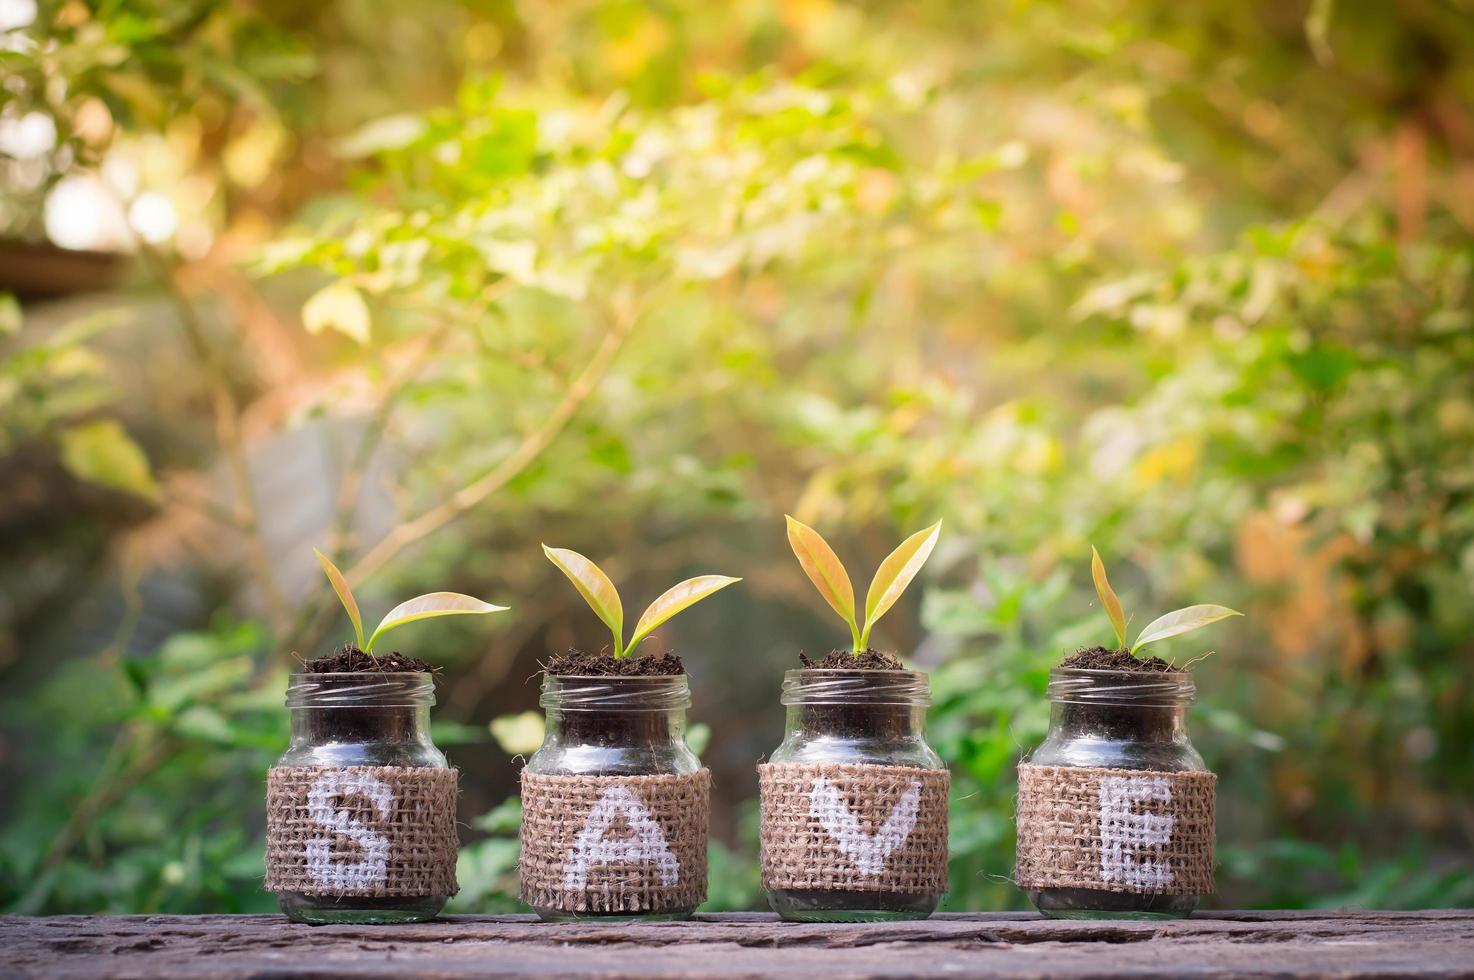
875, 717
1117, 719
614, 726
360, 719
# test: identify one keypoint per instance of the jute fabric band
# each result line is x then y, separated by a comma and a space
1116, 830
854, 827
361, 831
601, 844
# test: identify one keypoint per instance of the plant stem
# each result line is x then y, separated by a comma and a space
111, 784
531, 446
228, 433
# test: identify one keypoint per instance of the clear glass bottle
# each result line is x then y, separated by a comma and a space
855, 716
360, 719
1117, 719
614, 726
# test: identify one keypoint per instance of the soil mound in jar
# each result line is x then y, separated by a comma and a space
845, 660
576, 663
1099, 658
351, 660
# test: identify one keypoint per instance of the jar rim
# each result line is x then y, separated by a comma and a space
1149, 689
840, 685
361, 689
613, 692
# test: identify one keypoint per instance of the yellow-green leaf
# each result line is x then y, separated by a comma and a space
1182, 621
823, 568
428, 606
518, 734
339, 307
9, 314
103, 453
895, 573
1108, 598
344, 592
675, 599
595, 587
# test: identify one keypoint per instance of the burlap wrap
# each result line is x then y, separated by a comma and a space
361, 831
609, 844
1116, 830
854, 828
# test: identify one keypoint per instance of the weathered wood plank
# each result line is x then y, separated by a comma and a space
1342, 944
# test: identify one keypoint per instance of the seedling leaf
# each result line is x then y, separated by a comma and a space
1108, 599
894, 574
675, 599
596, 589
427, 607
823, 568
1182, 621
345, 595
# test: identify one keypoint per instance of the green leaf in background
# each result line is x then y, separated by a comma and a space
596, 589
895, 573
102, 452
1108, 598
1323, 367
377, 135
10, 315
1182, 621
519, 734
430, 606
698, 736
339, 307
674, 600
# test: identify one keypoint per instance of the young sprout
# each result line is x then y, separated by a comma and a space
1173, 624
895, 573
421, 607
603, 599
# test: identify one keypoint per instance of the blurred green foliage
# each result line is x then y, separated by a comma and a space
1190, 282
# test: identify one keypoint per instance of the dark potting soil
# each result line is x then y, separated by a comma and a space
1099, 658
857, 720
625, 729
348, 659
1120, 721
576, 663
847, 660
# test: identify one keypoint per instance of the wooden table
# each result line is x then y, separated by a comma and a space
1343, 944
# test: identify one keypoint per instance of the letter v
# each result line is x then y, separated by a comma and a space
868, 852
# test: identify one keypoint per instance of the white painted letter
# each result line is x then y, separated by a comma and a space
373, 867
647, 846
1125, 830
868, 852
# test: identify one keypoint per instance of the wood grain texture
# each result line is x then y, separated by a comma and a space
1299, 944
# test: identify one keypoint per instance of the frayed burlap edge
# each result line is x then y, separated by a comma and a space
1069, 836
852, 827
653, 861
361, 831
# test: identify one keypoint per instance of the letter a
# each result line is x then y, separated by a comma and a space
591, 847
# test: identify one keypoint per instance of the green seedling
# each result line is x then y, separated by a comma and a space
1173, 624
823, 568
421, 607
603, 598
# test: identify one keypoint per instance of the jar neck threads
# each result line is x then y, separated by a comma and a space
360, 707
630, 712
1120, 704
362, 689
873, 704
